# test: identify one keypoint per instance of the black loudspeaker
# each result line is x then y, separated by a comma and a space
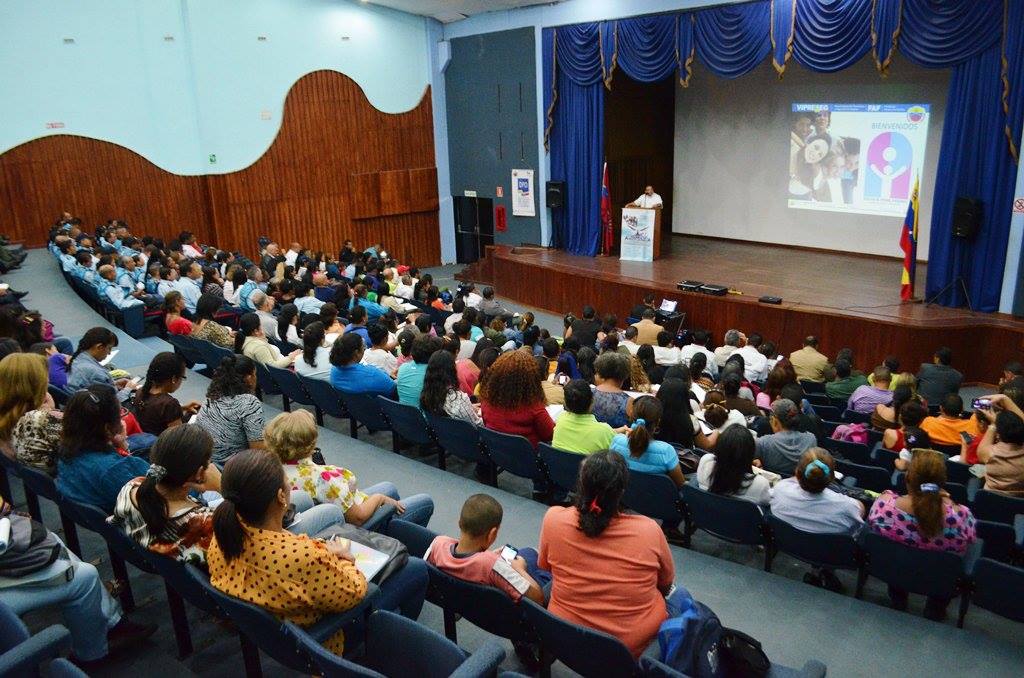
966, 217
555, 194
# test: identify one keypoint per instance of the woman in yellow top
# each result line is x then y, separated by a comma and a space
251, 342
294, 577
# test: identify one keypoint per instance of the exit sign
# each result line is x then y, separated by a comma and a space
54, 125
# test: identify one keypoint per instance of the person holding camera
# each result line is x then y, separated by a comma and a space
1002, 448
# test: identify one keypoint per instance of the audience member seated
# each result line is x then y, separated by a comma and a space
909, 436
84, 368
329, 317
469, 370
208, 329
731, 343
512, 401
679, 426
56, 362
158, 510
699, 344
664, 352
808, 362
611, 570
647, 304
410, 375
701, 371
869, 396
731, 384
576, 429
312, 578
781, 450
640, 449
611, 403
938, 379
924, 518
30, 424
251, 341
379, 353
174, 304
754, 362
728, 468
349, 375
845, 383
946, 428
629, 341
232, 414
357, 324
155, 407
441, 394
315, 361
490, 307
886, 417
584, 329
90, 469
1002, 452
646, 329
471, 559
554, 394
968, 444
287, 329
292, 436
780, 375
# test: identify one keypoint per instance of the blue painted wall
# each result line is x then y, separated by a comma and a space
179, 80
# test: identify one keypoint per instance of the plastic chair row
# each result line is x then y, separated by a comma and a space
132, 320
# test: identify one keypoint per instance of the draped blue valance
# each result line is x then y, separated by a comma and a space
981, 40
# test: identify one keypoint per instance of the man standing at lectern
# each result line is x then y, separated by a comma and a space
648, 199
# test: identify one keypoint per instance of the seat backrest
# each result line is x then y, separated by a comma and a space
1000, 508
325, 396
818, 549
366, 410
39, 482
266, 380
256, 623
812, 386
457, 437
59, 395
129, 549
328, 664
289, 384
177, 576
88, 516
958, 473
728, 518
858, 453
874, 478
62, 668
586, 651
885, 458
827, 412
818, 399
653, 495
12, 630
415, 537
855, 417
999, 588
563, 467
1000, 540
397, 646
513, 453
406, 420
929, 573
948, 450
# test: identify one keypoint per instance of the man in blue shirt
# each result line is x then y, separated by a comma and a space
67, 255
112, 292
254, 275
191, 286
357, 325
305, 301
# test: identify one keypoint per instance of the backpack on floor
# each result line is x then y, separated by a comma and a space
695, 643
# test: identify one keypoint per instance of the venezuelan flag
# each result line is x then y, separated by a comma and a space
908, 243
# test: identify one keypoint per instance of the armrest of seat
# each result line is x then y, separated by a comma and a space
972, 554
329, 625
483, 662
23, 658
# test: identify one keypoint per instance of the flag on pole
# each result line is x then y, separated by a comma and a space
607, 232
908, 243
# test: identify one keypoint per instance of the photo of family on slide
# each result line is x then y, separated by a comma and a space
822, 168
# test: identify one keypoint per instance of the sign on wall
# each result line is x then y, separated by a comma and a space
637, 235
522, 193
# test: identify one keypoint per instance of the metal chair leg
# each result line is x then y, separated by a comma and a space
179, 620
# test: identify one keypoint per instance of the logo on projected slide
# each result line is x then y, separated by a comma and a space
890, 158
915, 114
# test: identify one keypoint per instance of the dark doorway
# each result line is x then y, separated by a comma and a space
474, 227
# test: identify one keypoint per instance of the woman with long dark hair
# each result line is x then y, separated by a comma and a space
156, 409
469, 369
315, 361
728, 468
232, 414
678, 425
251, 342
639, 447
441, 394
288, 325
208, 329
611, 570
313, 578
698, 371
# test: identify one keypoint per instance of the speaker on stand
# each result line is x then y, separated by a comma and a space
967, 214
554, 199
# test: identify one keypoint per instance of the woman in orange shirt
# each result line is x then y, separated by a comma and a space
611, 571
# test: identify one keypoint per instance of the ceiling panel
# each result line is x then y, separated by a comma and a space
448, 11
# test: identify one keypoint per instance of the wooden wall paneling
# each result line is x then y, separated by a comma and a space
394, 192
364, 195
423, 189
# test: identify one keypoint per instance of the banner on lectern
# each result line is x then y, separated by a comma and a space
637, 242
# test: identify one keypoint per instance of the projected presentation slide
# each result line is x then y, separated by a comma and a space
857, 158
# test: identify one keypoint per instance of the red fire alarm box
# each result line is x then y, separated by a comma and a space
500, 219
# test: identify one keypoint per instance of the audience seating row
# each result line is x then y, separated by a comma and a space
132, 320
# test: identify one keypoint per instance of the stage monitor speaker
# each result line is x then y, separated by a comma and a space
714, 290
966, 217
689, 285
555, 194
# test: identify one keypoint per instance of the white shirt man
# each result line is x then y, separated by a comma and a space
648, 199
291, 255
450, 321
666, 355
753, 362
691, 350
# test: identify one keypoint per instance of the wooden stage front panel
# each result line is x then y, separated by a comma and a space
845, 300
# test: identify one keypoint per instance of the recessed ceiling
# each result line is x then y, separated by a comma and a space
448, 11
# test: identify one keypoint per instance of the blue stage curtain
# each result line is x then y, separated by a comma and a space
831, 35
941, 33
732, 40
1013, 77
577, 138
646, 48
548, 59
974, 162
885, 31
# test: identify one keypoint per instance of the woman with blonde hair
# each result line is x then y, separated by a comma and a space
638, 379
30, 423
924, 518
292, 437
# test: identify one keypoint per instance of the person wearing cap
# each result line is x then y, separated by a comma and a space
780, 451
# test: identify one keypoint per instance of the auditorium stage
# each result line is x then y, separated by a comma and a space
846, 300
